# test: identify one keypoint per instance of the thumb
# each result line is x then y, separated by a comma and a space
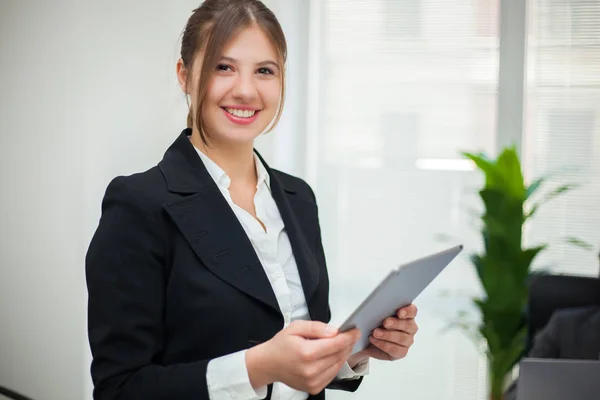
312, 329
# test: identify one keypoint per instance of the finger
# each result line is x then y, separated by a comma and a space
394, 351
396, 337
352, 335
312, 329
404, 325
325, 347
374, 352
409, 311
330, 373
333, 363
324, 370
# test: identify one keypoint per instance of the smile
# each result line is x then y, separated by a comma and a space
240, 113
239, 116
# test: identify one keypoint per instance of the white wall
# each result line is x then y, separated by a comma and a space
41, 240
87, 92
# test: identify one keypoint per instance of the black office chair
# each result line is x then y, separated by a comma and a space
11, 394
548, 293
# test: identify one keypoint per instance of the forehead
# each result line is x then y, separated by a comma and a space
251, 45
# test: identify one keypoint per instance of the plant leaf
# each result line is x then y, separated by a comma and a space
532, 212
579, 243
509, 166
506, 359
535, 185
559, 190
487, 166
526, 259
476, 260
504, 264
556, 192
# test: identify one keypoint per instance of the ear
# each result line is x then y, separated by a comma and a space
182, 76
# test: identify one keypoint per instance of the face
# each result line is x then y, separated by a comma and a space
244, 92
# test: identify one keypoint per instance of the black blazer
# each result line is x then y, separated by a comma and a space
571, 334
173, 280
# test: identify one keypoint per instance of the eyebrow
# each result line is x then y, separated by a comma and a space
260, 64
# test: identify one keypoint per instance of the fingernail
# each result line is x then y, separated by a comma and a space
330, 330
388, 324
377, 333
402, 314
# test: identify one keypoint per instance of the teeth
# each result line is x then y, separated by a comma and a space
241, 113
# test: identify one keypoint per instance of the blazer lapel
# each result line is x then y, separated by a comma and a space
209, 225
300, 224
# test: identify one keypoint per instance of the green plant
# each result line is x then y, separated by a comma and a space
504, 265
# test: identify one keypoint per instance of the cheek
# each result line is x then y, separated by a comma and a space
271, 93
216, 90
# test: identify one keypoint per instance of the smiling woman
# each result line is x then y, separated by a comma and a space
206, 275
244, 89
225, 63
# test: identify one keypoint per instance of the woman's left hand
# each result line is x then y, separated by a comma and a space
392, 340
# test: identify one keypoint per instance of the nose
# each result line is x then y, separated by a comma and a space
245, 88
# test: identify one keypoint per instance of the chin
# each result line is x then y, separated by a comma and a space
241, 135
238, 134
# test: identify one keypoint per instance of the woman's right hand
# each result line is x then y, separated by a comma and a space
307, 355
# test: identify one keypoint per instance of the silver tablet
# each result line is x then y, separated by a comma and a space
555, 379
398, 289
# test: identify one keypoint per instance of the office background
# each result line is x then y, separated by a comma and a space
382, 97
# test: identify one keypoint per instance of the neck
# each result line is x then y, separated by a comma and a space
236, 160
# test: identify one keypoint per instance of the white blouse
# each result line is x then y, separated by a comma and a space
227, 377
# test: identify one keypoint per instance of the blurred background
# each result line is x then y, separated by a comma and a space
383, 95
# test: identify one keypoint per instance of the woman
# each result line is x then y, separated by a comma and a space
206, 275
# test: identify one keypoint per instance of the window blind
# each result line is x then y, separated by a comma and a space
562, 129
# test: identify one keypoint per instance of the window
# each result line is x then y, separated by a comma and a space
486, 18
408, 81
388, 103
562, 129
571, 132
402, 19
398, 133
570, 20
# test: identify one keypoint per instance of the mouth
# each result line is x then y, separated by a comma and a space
240, 116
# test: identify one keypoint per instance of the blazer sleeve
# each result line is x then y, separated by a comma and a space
125, 274
349, 385
547, 341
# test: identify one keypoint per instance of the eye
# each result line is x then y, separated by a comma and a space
224, 67
265, 71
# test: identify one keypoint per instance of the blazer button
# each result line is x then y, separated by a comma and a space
201, 235
221, 255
